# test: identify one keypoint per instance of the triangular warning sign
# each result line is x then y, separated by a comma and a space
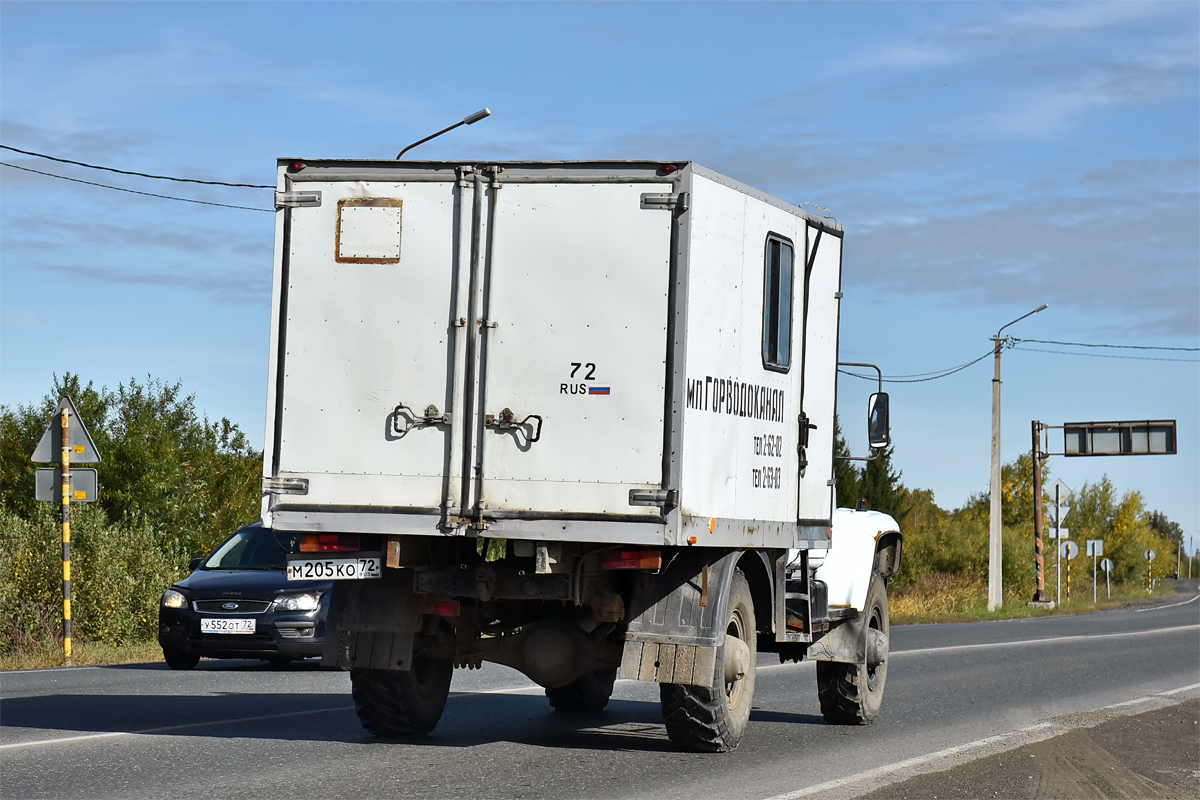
83, 449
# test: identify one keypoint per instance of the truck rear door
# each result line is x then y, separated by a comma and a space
367, 337
573, 356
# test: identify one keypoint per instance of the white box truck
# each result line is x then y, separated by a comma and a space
575, 418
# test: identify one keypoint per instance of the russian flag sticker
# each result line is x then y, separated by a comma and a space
598, 390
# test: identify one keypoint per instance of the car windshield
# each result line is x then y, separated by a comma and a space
253, 548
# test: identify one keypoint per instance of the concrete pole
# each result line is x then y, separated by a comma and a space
995, 540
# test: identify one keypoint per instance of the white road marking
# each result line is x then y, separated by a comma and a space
165, 728
1173, 605
1074, 637
1016, 643
870, 780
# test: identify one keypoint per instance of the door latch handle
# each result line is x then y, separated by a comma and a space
507, 421
404, 419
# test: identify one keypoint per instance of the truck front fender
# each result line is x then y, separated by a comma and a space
858, 537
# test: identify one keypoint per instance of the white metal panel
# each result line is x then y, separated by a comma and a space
362, 338
740, 422
847, 567
820, 375
577, 293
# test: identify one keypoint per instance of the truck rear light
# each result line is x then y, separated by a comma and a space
631, 559
328, 542
447, 608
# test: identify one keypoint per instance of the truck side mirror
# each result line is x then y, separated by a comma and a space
194, 564
878, 426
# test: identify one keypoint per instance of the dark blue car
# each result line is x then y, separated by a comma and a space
238, 603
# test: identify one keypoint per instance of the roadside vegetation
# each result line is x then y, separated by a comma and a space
173, 484
944, 569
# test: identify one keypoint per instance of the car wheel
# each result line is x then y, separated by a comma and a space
589, 693
399, 703
852, 694
177, 659
713, 719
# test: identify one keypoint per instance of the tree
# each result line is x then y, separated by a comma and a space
192, 479
846, 479
881, 486
1158, 522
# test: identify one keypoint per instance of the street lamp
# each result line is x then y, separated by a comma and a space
996, 554
471, 120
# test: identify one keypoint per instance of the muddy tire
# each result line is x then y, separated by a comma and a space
851, 694
396, 703
713, 719
588, 694
177, 659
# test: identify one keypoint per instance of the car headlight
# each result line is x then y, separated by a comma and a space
173, 599
298, 602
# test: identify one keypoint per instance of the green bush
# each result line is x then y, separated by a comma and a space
118, 573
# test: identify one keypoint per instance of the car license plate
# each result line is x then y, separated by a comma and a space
227, 626
324, 569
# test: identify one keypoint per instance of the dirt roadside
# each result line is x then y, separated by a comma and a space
1150, 756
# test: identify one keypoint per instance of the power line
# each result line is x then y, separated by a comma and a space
933, 375
132, 191
1110, 355
1120, 346
138, 174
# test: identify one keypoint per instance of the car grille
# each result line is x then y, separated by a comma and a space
239, 606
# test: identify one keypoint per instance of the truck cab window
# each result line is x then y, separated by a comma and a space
777, 304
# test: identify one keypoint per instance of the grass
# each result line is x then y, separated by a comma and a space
50, 654
957, 598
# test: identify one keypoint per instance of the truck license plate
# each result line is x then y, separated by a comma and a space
324, 569
227, 626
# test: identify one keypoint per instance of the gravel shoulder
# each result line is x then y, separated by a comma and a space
1153, 755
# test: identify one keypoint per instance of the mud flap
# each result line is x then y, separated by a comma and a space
371, 623
677, 619
846, 644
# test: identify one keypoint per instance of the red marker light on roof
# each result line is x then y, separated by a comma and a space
296, 166
669, 168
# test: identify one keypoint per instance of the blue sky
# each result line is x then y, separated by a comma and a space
984, 159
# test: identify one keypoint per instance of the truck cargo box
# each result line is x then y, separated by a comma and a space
611, 352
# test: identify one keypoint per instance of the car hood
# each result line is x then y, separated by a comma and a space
264, 583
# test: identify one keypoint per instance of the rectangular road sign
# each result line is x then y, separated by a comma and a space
83, 449
1125, 438
1095, 547
84, 485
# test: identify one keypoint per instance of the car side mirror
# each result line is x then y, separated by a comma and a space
194, 564
878, 425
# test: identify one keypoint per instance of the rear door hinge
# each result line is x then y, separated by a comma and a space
297, 200
670, 201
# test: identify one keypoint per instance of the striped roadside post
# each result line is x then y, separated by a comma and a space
66, 532
66, 439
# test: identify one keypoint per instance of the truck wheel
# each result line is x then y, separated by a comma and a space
396, 703
713, 718
177, 659
589, 693
851, 694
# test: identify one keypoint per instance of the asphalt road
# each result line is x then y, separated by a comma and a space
238, 729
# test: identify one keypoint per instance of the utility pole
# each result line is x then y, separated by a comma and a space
995, 540
1039, 565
